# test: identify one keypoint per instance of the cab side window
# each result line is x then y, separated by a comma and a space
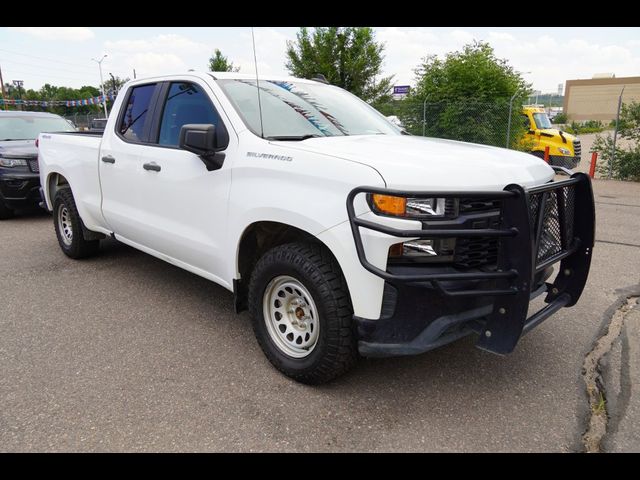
133, 120
186, 103
525, 122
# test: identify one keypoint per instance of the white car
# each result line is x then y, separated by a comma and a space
340, 235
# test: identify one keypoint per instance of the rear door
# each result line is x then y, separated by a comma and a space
120, 162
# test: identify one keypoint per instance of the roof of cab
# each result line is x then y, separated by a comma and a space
225, 76
249, 76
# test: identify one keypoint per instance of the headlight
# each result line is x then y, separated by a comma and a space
425, 250
12, 162
564, 151
412, 207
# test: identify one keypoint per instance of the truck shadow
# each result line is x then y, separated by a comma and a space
29, 214
450, 367
173, 333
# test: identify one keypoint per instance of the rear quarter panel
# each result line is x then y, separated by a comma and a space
76, 158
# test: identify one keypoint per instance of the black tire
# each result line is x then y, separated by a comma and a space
76, 246
5, 212
313, 266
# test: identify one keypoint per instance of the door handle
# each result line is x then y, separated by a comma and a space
153, 166
108, 159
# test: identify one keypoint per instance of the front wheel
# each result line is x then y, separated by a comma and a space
302, 314
68, 226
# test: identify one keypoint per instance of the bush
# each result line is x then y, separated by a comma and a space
626, 165
560, 118
583, 130
590, 126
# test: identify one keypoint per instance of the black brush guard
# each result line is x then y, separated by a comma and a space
526, 247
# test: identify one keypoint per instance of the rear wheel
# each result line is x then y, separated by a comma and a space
5, 212
68, 226
301, 313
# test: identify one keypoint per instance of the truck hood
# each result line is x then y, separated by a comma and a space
419, 163
555, 133
18, 149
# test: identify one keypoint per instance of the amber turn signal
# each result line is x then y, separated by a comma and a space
390, 204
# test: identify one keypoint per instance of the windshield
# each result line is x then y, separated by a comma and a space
299, 110
28, 128
542, 121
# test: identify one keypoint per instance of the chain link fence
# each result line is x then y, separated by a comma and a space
489, 123
83, 120
475, 122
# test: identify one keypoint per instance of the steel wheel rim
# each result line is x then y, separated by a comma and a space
64, 225
291, 316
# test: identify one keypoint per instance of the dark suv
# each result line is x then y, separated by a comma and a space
19, 172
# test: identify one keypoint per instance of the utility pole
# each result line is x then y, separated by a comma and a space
509, 119
104, 97
615, 134
4, 94
134, 73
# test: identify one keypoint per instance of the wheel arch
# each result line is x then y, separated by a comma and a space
55, 181
258, 238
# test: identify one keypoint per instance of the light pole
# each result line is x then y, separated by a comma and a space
113, 83
104, 97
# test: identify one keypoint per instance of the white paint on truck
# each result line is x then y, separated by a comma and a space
195, 218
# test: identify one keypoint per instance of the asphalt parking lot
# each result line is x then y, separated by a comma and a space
123, 352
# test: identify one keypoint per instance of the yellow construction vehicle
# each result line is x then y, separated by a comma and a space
564, 148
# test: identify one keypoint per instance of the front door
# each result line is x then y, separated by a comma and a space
184, 206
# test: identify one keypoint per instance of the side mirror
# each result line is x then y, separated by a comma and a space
201, 139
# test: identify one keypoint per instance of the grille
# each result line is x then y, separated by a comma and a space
577, 148
557, 221
472, 205
483, 251
556, 236
476, 252
33, 165
469, 205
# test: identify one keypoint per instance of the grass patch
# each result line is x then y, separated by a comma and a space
600, 407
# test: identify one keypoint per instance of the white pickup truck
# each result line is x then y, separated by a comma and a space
341, 234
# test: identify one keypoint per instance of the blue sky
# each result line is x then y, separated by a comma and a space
62, 55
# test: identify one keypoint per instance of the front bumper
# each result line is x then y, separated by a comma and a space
564, 161
19, 189
426, 307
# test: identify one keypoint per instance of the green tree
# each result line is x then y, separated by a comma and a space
467, 96
114, 83
474, 73
348, 57
50, 92
626, 164
219, 63
561, 118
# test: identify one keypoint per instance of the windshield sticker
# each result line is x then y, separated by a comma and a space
305, 96
306, 114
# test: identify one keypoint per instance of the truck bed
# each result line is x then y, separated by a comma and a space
76, 156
